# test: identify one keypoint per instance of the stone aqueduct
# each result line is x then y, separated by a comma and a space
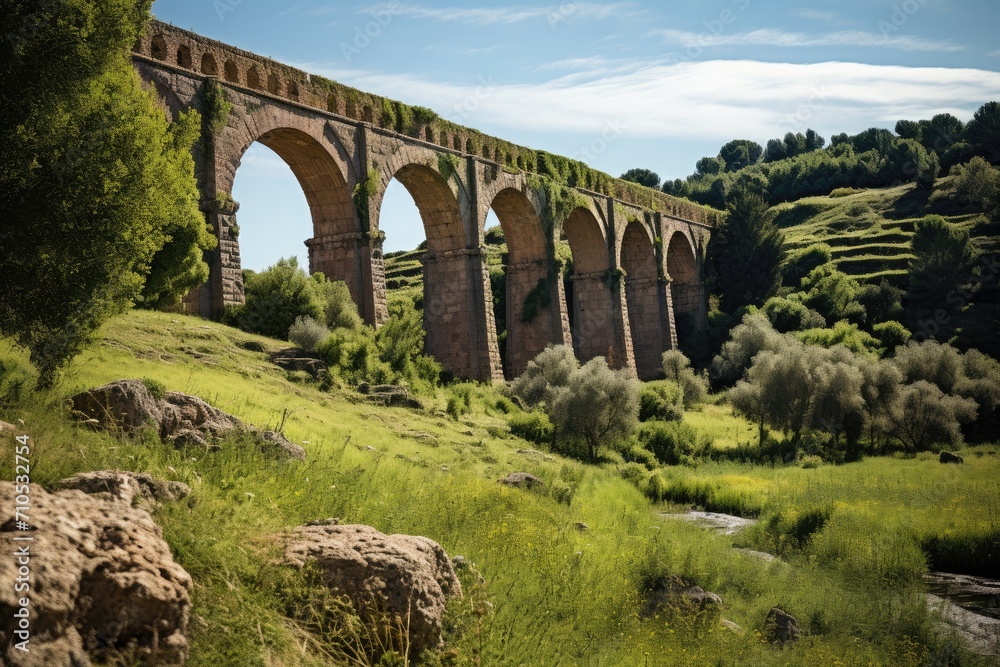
637, 253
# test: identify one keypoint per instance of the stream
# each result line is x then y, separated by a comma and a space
968, 605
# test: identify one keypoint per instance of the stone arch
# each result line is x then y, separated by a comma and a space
642, 294
253, 78
529, 277
232, 72
273, 85
158, 47
686, 289
451, 272
333, 250
588, 296
184, 56
209, 66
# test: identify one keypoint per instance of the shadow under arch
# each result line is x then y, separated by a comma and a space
589, 299
685, 285
533, 288
642, 294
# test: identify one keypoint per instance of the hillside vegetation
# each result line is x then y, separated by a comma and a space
563, 569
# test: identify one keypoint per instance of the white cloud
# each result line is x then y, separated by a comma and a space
816, 15
776, 37
994, 54
486, 16
714, 100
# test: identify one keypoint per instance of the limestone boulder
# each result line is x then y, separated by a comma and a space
401, 575
103, 583
127, 487
521, 480
676, 593
127, 406
780, 627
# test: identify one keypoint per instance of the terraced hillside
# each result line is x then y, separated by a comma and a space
870, 230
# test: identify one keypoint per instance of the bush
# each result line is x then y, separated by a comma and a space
460, 401
531, 426
749, 339
802, 263
891, 335
545, 375
789, 315
636, 453
339, 309
354, 356
598, 407
307, 333
833, 294
842, 333
400, 343
495, 236
156, 389
677, 368
275, 298
673, 443
661, 401
634, 473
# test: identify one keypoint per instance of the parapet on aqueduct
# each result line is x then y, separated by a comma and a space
638, 253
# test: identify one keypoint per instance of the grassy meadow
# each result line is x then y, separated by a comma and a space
542, 589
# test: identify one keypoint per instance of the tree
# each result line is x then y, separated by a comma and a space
977, 183
747, 252
753, 336
776, 392
275, 298
677, 368
814, 141
709, 166
95, 187
776, 150
983, 132
545, 375
740, 153
923, 416
833, 294
787, 315
598, 406
339, 309
643, 177
942, 264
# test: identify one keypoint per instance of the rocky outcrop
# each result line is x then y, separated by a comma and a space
127, 406
948, 457
102, 583
295, 359
126, 487
521, 480
780, 627
389, 395
400, 575
674, 592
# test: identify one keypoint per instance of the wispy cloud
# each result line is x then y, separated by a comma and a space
994, 54
708, 100
781, 38
815, 15
487, 16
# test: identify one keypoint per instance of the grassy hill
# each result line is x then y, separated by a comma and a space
563, 568
870, 230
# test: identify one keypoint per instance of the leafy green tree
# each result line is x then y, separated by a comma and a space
400, 344
740, 153
786, 314
746, 252
545, 375
599, 406
943, 262
677, 368
275, 298
983, 132
753, 336
709, 166
881, 303
96, 188
923, 416
662, 400
978, 183
833, 294
776, 392
339, 309
643, 177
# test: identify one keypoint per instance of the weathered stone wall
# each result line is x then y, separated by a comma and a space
633, 262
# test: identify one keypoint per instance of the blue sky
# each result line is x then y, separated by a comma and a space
618, 84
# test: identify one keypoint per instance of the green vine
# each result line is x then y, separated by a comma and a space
560, 201
363, 193
612, 279
537, 299
216, 108
448, 165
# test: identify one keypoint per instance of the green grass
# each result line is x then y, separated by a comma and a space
557, 596
870, 230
